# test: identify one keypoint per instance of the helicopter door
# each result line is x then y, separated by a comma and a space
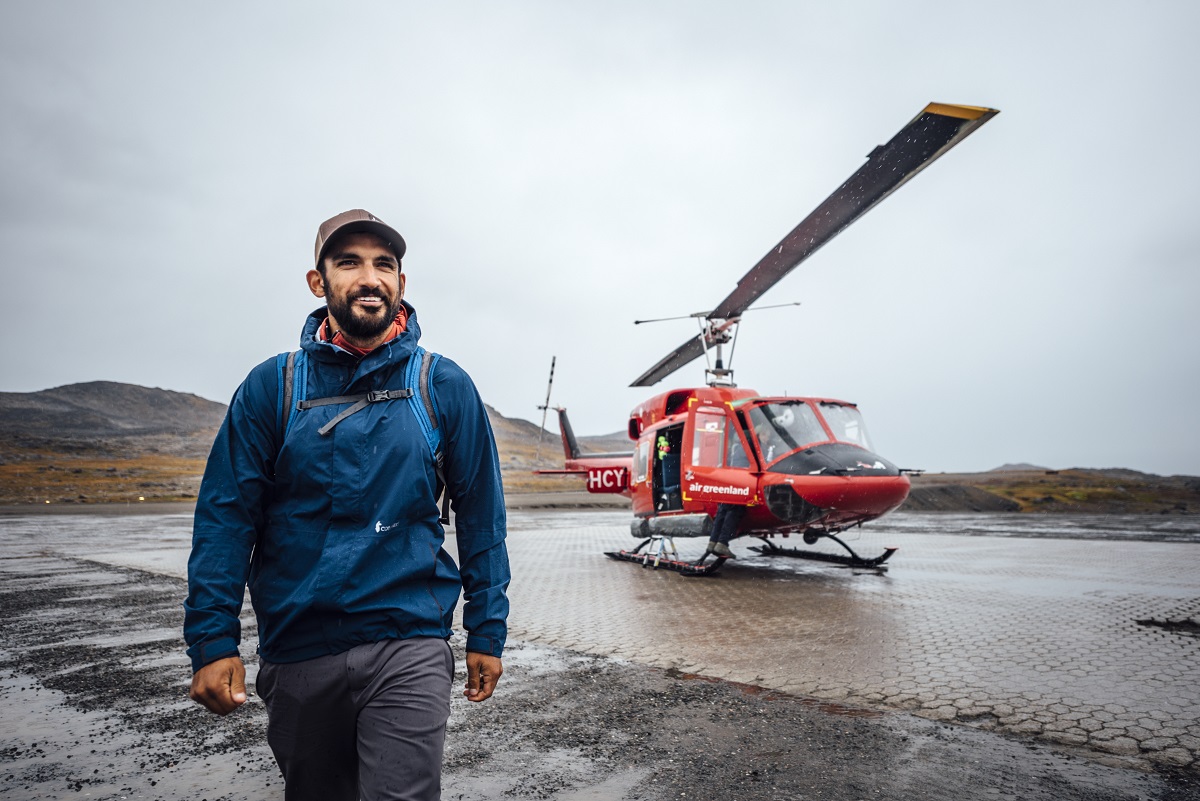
718, 468
668, 445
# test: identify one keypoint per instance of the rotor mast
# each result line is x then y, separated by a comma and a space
715, 334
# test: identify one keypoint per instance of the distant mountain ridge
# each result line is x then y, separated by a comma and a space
125, 420
1013, 468
105, 409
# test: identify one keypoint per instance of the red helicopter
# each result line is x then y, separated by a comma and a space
798, 465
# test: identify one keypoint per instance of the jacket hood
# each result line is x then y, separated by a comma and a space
395, 351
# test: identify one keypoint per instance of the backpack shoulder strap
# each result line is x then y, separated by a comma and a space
285, 370
293, 383
418, 377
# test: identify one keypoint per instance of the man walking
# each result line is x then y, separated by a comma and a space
321, 492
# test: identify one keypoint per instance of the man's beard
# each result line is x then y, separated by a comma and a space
355, 323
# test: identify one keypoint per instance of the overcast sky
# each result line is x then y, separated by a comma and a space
561, 169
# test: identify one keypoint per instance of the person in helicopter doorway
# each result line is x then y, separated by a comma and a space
668, 467
664, 450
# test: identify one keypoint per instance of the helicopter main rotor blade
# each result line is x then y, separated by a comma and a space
692, 349
930, 134
939, 127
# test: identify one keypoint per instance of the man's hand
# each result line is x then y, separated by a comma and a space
221, 685
483, 671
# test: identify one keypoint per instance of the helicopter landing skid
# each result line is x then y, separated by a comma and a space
769, 548
661, 555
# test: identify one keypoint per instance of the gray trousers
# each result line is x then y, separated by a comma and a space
365, 724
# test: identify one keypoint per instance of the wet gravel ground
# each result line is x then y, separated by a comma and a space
93, 704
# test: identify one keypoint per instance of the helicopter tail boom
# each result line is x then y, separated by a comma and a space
578, 462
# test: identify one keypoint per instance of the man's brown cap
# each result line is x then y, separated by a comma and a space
355, 221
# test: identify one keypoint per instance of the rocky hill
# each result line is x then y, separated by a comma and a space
1025, 488
105, 408
103, 441
104, 418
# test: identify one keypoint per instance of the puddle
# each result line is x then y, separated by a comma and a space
52, 750
1188, 627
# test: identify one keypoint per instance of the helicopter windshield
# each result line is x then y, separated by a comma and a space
846, 423
781, 428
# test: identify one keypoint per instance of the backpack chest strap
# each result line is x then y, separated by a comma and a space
360, 401
293, 382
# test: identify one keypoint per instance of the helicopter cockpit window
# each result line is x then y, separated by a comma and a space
846, 423
708, 440
783, 427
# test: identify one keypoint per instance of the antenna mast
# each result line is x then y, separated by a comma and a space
545, 407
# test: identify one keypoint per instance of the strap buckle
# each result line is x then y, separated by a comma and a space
377, 395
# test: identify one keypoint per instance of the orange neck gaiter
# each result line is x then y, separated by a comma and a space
399, 325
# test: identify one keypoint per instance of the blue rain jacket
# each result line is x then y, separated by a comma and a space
338, 536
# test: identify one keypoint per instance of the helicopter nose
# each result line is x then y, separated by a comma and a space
808, 500
868, 495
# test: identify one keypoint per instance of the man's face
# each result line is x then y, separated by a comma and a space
362, 285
